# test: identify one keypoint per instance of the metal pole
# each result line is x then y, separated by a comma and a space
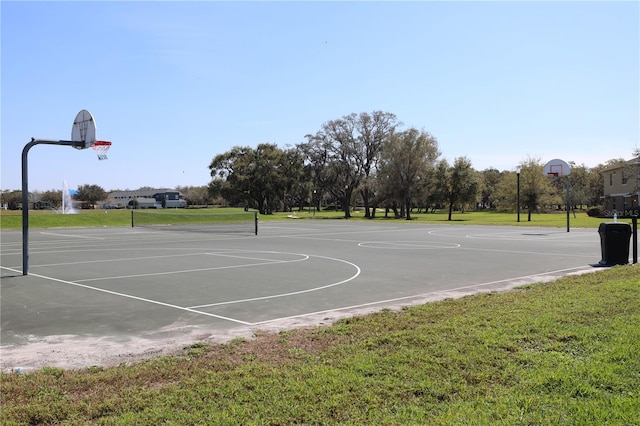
25, 194
255, 221
518, 201
634, 222
568, 202
25, 208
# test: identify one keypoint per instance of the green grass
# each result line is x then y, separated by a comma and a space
100, 218
562, 353
579, 220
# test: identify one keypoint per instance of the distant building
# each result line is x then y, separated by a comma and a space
622, 188
35, 203
146, 198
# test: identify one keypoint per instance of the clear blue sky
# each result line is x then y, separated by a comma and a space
172, 84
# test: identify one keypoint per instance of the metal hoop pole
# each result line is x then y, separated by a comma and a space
568, 200
25, 194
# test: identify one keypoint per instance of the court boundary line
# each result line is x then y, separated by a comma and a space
533, 278
420, 296
195, 308
130, 296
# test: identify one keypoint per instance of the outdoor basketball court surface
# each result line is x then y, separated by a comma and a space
97, 296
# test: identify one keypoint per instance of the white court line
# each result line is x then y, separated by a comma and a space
253, 299
127, 259
418, 296
411, 245
129, 296
72, 236
302, 256
338, 232
184, 271
194, 309
124, 259
516, 235
541, 253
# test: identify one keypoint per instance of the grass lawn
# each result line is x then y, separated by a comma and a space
91, 218
561, 353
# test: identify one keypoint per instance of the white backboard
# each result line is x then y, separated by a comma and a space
84, 129
557, 167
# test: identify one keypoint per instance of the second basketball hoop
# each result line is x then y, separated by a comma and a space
557, 167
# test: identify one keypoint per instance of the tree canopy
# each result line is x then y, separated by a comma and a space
369, 160
90, 194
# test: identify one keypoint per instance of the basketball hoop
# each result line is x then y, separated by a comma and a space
101, 148
554, 174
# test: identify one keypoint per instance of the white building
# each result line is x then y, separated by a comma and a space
146, 198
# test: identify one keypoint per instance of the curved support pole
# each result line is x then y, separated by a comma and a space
25, 193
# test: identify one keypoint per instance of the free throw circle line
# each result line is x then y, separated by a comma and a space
293, 293
404, 245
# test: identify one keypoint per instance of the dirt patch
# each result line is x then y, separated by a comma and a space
77, 352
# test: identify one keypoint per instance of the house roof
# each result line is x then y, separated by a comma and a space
142, 192
632, 162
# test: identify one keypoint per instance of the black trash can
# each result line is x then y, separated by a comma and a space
614, 243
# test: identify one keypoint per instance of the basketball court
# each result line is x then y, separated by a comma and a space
98, 296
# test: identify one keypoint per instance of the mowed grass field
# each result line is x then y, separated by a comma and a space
89, 218
560, 353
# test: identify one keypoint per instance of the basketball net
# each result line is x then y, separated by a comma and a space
101, 148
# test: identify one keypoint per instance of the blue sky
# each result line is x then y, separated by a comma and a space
172, 84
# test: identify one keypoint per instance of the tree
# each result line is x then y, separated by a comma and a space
11, 198
535, 186
229, 175
343, 155
438, 196
374, 131
406, 166
488, 184
595, 185
90, 194
505, 195
579, 185
196, 195
53, 197
461, 185
263, 177
296, 179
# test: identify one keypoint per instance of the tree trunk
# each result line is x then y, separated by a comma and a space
365, 198
346, 207
450, 210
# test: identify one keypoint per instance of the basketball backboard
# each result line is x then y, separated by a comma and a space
557, 167
84, 129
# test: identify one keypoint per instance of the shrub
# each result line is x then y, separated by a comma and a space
595, 211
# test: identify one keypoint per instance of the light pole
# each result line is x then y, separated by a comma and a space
518, 196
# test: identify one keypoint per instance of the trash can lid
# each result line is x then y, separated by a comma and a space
613, 226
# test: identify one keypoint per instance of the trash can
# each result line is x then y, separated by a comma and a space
614, 243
